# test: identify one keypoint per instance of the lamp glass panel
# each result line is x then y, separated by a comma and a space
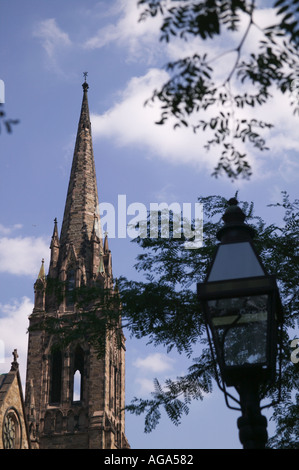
235, 261
240, 324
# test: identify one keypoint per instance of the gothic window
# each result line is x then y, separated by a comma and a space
70, 287
78, 371
77, 386
11, 432
110, 384
56, 376
115, 388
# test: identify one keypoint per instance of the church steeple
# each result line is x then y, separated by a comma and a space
82, 197
79, 397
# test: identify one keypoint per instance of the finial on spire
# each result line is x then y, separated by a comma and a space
85, 84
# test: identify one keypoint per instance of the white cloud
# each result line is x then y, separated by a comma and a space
146, 386
126, 31
155, 362
8, 230
55, 42
129, 123
13, 327
52, 37
165, 193
22, 255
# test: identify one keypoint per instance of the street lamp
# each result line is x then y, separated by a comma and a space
243, 314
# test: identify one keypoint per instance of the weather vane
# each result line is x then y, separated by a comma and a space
85, 75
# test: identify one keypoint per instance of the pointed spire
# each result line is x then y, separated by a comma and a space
40, 290
107, 258
101, 268
82, 197
106, 247
84, 117
55, 237
54, 247
41, 274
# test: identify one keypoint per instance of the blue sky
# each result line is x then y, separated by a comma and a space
45, 48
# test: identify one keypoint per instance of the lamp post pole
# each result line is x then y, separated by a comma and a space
252, 424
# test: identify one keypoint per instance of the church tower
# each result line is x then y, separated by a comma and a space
74, 398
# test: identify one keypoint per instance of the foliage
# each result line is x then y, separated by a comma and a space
8, 123
164, 309
193, 88
96, 316
286, 416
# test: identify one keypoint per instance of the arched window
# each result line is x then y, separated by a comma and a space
70, 287
78, 374
56, 373
77, 386
11, 432
115, 389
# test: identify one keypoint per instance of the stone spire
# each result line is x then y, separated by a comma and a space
54, 247
42, 274
82, 197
